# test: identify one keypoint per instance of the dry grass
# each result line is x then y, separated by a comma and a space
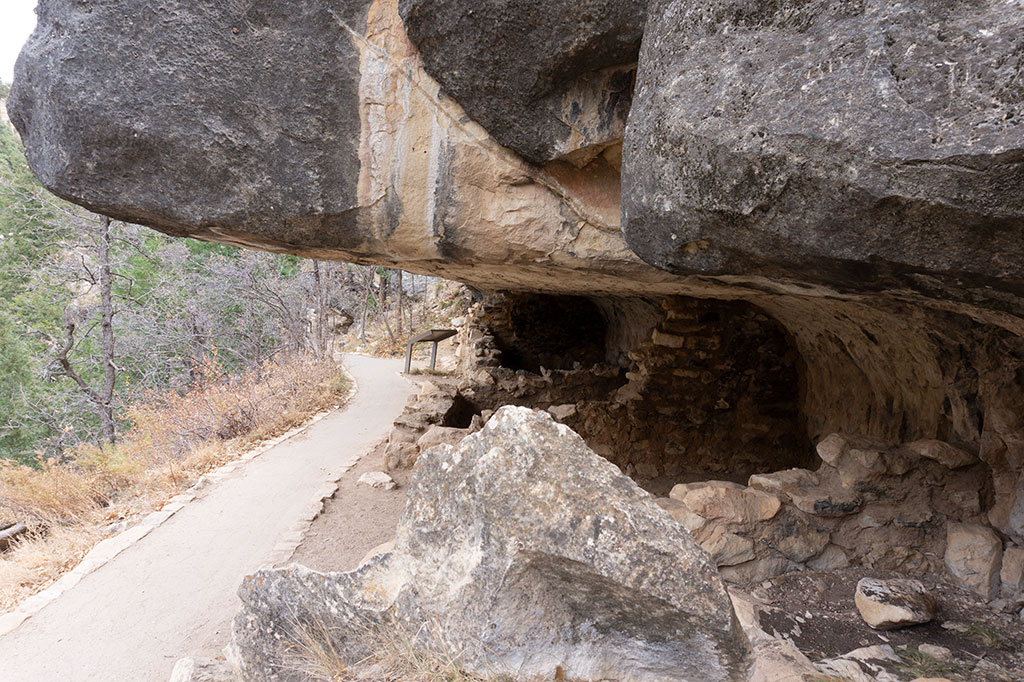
172, 441
397, 654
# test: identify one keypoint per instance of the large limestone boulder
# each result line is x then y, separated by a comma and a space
528, 553
844, 145
191, 116
545, 77
312, 128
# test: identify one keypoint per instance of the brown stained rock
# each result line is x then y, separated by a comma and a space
889, 604
782, 483
728, 503
437, 435
681, 513
755, 571
803, 545
827, 503
728, 549
831, 558
1012, 572
973, 557
942, 452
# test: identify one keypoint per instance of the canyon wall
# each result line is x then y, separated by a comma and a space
842, 180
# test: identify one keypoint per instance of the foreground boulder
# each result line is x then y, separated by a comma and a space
527, 553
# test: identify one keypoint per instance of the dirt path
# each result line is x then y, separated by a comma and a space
172, 594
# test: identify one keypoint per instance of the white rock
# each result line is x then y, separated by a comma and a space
974, 556
942, 452
888, 604
939, 653
377, 479
562, 412
1012, 573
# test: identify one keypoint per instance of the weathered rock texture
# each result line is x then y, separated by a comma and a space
845, 181
889, 604
849, 145
546, 78
509, 554
192, 118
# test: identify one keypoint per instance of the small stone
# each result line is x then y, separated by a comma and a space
831, 558
728, 549
973, 557
202, 670
437, 435
562, 412
831, 448
681, 513
755, 571
660, 338
1012, 573
728, 502
942, 452
378, 479
939, 653
889, 604
781, 483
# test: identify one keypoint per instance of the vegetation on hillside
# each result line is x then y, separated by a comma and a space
131, 362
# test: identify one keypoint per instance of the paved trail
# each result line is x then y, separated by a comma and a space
172, 594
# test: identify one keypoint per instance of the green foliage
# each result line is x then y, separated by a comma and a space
178, 306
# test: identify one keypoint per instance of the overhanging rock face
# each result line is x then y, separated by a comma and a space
545, 77
185, 116
525, 551
856, 145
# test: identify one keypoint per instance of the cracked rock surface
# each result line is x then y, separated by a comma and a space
506, 548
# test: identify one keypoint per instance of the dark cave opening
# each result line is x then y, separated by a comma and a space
697, 389
553, 332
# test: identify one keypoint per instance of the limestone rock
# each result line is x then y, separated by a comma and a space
551, 86
775, 659
727, 502
756, 571
845, 155
939, 653
1012, 571
948, 455
973, 557
436, 435
831, 558
728, 549
781, 483
681, 513
203, 670
889, 604
215, 129
562, 412
505, 547
377, 479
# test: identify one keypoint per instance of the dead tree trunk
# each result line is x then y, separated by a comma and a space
102, 398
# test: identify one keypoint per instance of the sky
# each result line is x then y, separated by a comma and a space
17, 19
